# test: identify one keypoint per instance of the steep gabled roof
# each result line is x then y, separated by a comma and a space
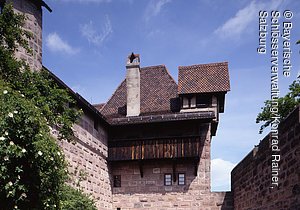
158, 94
99, 106
203, 78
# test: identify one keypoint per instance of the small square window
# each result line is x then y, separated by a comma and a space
117, 180
168, 179
181, 179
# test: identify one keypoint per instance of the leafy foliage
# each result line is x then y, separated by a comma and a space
33, 169
11, 32
37, 86
74, 199
286, 104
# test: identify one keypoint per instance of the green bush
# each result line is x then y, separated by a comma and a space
32, 166
33, 169
74, 199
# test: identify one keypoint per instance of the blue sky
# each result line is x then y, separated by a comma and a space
85, 43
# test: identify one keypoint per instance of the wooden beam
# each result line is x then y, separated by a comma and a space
141, 168
196, 165
174, 170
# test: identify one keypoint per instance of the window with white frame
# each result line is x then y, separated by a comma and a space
181, 178
168, 179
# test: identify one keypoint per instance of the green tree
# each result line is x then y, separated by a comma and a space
74, 199
286, 104
33, 170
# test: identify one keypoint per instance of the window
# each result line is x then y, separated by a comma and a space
117, 180
185, 102
194, 101
181, 179
203, 101
168, 179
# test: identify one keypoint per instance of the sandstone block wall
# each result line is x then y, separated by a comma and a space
149, 191
251, 178
33, 24
88, 155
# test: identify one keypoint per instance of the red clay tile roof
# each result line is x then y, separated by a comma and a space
99, 106
158, 94
203, 78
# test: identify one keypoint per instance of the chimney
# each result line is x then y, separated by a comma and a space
133, 85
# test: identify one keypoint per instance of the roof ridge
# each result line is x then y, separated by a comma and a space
204, 64
164, 67
98, 104
153, 67
170, 76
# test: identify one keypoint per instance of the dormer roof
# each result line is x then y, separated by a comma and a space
203, 78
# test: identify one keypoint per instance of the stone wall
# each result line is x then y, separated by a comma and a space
88, 155
251, 178
33, 24
149, 192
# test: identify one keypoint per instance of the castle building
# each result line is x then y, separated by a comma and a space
148, 146
160, 135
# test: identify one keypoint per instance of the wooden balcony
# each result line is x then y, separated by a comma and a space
160, 148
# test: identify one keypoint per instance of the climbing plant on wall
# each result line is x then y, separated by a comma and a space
33, 170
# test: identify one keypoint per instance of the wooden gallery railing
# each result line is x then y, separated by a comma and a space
176, 147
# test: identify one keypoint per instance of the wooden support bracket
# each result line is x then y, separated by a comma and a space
174, 170
141, 164
196, 165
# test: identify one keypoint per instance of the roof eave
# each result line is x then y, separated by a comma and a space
46, 6
78, 98
163, 118
204, 92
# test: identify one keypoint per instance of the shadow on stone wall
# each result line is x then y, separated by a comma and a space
224, 200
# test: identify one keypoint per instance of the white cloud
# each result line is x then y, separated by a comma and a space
155, 33
220, 174
154, 8
56, 44
238, 24
90, 33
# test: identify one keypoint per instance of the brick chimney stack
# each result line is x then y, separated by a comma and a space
32, 9
133, 85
